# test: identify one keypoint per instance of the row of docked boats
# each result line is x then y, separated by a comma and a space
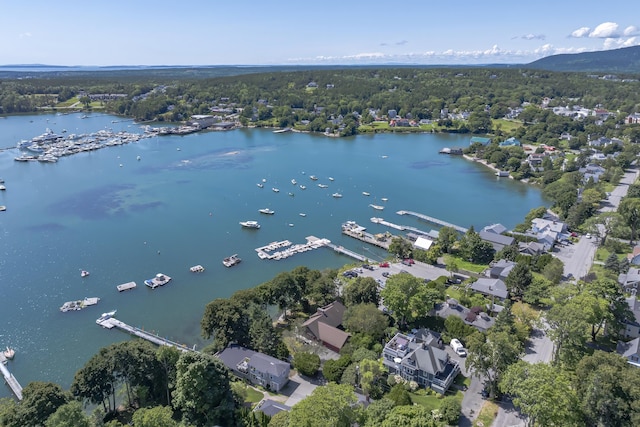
49, 146
78, 304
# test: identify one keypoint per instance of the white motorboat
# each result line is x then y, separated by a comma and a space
84, 273
364, 193
231, 260
331, 178
303, 214
313, 178
9, 353
303, 187
250, 224
105, 316
294, 182
337, 195
323, 186
377, 207
266, 211
384, 199
260, 185
275, 190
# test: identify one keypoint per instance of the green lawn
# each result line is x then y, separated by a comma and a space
465, 265
432, 401
507, 126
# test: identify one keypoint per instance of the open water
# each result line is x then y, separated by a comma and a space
180, 205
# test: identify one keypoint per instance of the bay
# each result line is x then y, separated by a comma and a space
124, 219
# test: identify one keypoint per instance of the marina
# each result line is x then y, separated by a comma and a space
159, 280
126, 286
434, 220
399, 227
284, 249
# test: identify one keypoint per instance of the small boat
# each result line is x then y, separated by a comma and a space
2, 188
384, 157
323, 186
364, 193
138, 158
291, 194
250, 224
159, 280
266, 211
9, 353
384, 199
196, 269
231, 260
294, 182
264, 179
303, 187
3, 208
377, 207
84, 273
331, 178
105, 316
313, 178
337, 195
302, 214
290, 225
260, 185
275, 190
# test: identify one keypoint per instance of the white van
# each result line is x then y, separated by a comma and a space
457, 346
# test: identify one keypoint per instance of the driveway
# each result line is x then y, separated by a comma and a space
539, 347
613, 201
297, 389
577, 258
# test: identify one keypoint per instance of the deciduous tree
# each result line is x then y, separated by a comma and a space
331, 405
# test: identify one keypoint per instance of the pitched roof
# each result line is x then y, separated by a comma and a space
271, 407
270, 365
495, 287
329, 314
333, 336
495, 228
494, 238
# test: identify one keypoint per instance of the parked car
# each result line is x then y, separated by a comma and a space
385, 274
457, 346
384, 264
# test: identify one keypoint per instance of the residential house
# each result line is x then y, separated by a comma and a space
548, 231
592, 171
419, 361
271, 407
510, 142
634, 256
600, 142
493, 288
531, 248
535, 160
260, 369
630, 351
500, 269
480, 140
630, 280
495, 228
474, 317
498, 241
631, 329
312, 85
633, 119
392, 114
323, 326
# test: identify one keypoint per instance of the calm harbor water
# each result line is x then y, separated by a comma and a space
125, 220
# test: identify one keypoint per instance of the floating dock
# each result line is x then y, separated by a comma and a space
112, 322
399, 227
11, 381
126, 286
285, 249
347, 252
433, 220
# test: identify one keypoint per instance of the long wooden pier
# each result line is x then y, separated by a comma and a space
351, 229
11, 381
399, 227
433, 220
347, 252
112, 322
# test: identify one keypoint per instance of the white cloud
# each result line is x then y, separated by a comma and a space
605, 30
23, 35
612, 43
533, 36
631, 41
631, 30
581, 32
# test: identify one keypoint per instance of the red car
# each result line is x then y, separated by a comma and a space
384, 264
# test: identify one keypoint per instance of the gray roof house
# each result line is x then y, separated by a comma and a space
258, 368
271, 407
630, 351
630, 280
490, 287
495, 228
498, 241
531, 248
500, 269
323, 326
632, 328
419, 361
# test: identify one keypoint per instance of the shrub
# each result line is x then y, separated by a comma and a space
306, 363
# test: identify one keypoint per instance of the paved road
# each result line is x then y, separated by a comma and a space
577, 258
539, 348
620, 191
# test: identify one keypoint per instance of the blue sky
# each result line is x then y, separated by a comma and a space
252, 32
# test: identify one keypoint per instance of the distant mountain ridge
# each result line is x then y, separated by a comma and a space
624, 60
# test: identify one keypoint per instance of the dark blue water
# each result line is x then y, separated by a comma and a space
180, 205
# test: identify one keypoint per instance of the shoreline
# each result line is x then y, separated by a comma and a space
490, 166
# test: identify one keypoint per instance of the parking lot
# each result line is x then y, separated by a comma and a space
418, 269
